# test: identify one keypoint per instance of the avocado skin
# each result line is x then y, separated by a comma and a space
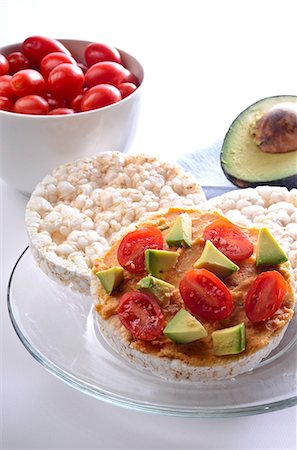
289, 182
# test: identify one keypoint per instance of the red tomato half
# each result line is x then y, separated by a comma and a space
141, 315
205, 295
31, 104
265, 296
4, 66
66, 80
5, 87
105, 72
132, 247
36, 47
126, 89
99, 96
52, 60
27, 82
6, 104
17, 61
229, 239
96, 52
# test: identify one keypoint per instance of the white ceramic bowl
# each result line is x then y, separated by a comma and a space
31, 146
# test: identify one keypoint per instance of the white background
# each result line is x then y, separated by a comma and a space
204, 62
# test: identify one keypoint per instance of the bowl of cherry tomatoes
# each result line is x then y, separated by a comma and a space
61, 100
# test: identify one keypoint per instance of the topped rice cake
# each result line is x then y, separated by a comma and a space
190, 295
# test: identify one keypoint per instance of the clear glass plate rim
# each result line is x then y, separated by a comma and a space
109, 397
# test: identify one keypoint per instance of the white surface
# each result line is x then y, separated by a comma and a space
204, 62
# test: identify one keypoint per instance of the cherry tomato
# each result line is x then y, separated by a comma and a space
126, 89
99, 96
66, 80
132, 247
4, 66
5, 87
27, 82
17, 61
96, 52
76, 102
265, 296
36, 47
141, 315
105, 72
6, 104
205, 295
130, 78
229, 239
31, 104
52, 60
55, 102
59, 111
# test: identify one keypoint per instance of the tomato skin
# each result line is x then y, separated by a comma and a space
5, 87
6, 104
36, 47
140, 313
66, 80
100, 96
229, 239
60, 111
97, 52
132, 247
265, 296
55, 102
205, 295
4, 65
27, 82
17, 61
52, 60
126, 89
105, 72
130, 78
31, 104
76, 102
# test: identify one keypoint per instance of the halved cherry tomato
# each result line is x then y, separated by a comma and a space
4, 66
31, 104
126, 89
59, 111
99, 96
141, 315
265, 296
205, 295
105, 72
36, 47
27, 82
229, 239
6, 104
5, 87
52, 60
132, 247
66, 80
97, 52
17, 61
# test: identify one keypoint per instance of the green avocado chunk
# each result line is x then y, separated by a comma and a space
159, 261
159, 288
214, 261
111, 278
184, 328
181, 232
229, 341
269, 252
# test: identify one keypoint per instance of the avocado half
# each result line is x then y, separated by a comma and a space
242, 160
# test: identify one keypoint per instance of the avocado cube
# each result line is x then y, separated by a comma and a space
159, 261
184, 328
229, 341
214, 261
111, 278
181, 232
159, 288
269, 252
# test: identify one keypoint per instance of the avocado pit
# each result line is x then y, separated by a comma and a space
276, 130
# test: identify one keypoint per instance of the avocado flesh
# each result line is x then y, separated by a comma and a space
214, 261
242, 160
159, 261
229, 341
159, 288
184, 328
111, 278
269, 252
181, 232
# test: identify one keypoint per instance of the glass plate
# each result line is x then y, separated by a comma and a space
58, 327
